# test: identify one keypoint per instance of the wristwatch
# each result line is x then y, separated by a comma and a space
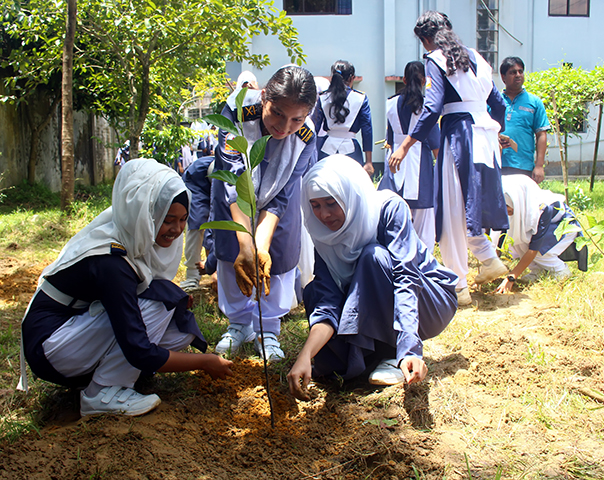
511, 278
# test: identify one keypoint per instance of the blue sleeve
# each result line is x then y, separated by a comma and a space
278, 205
327, 299
389, 135
434, 137
540, 120
433, 102
545, 221
115, 283
318, 116
396, 233
366, 128
497, 107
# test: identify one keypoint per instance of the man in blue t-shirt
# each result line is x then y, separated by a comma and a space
526, 125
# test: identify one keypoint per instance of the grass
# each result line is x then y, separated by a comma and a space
523, 370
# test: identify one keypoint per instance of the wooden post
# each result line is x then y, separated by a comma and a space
596, 146
563, 163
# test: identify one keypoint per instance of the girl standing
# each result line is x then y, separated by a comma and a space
468, 179
279, 110
414, 181
342, 112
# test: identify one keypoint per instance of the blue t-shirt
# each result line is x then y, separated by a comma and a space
524, 116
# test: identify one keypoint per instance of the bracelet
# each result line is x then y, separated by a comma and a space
511, 278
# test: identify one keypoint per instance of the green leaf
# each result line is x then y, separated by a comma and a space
221, 122
245, 206
580, 242
239, 103
566, 227
245, 190
597, 229
591, 221
224, 225
239, 143
225, 176
257, 152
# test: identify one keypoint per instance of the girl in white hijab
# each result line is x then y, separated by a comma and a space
534, 216
377, 291
106, 309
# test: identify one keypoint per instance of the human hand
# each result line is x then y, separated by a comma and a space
215, 366
369, 168
245, 271
397, 158
538, 174
299, 377
505, 286
190, 302
414, 369
504, 141
201, 267
265, 263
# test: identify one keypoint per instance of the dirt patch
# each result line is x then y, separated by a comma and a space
18, 281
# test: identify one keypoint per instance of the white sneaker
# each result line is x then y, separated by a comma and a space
463, 297
118, 400
490, 270
271, 345
236, 335
387, 373
190, 285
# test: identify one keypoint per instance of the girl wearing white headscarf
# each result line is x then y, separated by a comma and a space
534, 216
106, 309
377, 292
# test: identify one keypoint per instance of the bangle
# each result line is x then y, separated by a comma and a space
511, 278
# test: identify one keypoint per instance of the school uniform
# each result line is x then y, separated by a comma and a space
375, 282
414, 181
341, 137
277, 183
469, 197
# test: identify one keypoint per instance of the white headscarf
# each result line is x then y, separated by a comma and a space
344, 179
142, 194
527, 199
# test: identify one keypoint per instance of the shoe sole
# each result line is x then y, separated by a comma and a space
377, 381
127, 413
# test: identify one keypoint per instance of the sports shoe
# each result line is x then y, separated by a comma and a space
490, 270
118, 400
190, 285
463, 297
271, 345
236, 335
387, 373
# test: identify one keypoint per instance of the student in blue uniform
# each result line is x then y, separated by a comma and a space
197, 181
280, 109
106, 309
469, 197
341, 112
534, 216
414, 181
377, 292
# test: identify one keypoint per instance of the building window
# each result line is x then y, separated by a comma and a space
568, 8
318, 7
487, 31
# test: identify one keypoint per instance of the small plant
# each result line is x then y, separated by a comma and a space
246, 201
593, 231
579, 201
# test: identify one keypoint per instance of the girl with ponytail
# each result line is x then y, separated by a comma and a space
341, 112
469, 197
415, 179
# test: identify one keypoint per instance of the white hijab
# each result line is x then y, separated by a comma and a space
527, 199
142, 194
342, 178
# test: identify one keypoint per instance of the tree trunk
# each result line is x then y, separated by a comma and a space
36, 133
563, 163
594, 165
67, 147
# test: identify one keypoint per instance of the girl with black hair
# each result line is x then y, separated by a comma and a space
280, 109
342, 111
415, 179
469, 197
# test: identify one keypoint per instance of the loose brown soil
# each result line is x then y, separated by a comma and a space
493, 394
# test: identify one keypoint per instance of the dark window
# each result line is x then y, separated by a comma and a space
569, 8
318, 7
487, 31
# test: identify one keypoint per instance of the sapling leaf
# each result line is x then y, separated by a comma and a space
257, 152
566, 227
224, 225
221, 122
597, 229
580, 242
591, 221
238, 143
225, 176
245, 190
245, 206
239, 103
